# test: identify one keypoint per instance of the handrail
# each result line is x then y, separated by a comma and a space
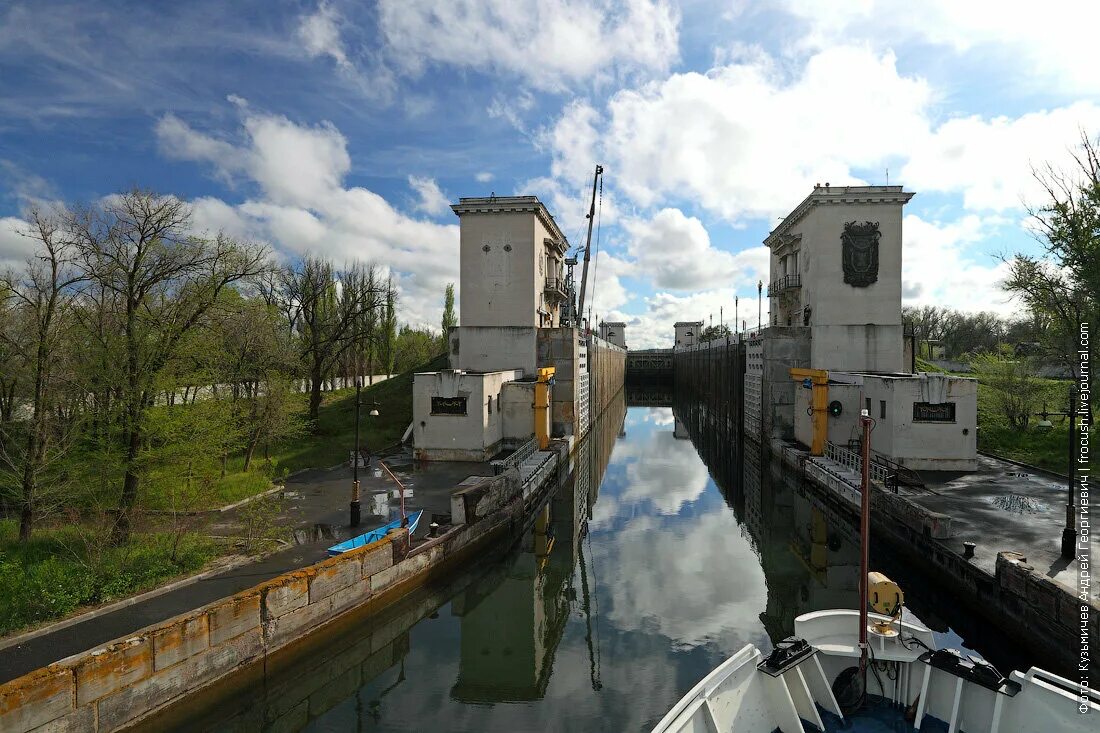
784, 283
518, 456
854, 461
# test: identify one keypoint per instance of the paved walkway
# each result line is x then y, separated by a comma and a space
1003, 507
316, 504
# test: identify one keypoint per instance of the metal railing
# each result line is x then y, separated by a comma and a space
784, 283
897, 474
854, 462
520, 455
555, 284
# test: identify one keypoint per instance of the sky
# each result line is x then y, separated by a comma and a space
346, 128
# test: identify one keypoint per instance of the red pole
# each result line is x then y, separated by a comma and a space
401, 486
864, 539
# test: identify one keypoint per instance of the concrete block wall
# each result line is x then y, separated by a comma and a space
1046, 608
783, 348
562, 348
607, 373
110, 687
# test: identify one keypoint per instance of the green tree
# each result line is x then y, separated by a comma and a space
1013, 383
325, 308
1062, 289
711, 333
449, 318
160, 282
41, 304
414, 347
388, 350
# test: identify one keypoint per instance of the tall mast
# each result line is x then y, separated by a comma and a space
588, 244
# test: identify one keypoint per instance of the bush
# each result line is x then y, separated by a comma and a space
52, 576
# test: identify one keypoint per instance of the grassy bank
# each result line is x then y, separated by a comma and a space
66, 567
328, 443
1047, 449
63, 569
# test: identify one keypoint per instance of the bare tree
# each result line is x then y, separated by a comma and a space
138, 246
326, 308
41, 303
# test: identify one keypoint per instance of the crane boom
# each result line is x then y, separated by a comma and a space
588, 245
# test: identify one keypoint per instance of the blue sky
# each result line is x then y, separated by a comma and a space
345, 127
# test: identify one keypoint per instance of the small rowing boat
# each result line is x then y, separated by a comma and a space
374, 535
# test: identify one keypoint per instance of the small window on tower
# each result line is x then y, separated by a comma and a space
882, 409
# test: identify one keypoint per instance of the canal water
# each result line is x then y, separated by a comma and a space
645, 570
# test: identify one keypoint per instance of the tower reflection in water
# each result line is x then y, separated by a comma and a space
513, 618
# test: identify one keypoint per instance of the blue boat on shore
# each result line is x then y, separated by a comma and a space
374, 535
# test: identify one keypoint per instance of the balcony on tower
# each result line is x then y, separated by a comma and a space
783, 284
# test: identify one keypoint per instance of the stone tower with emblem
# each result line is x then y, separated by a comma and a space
836, 268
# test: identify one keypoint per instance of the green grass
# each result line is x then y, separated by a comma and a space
1047, 449
60, 570
334, 434
327, 444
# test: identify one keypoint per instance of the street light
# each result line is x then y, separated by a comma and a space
759, 300
355, 512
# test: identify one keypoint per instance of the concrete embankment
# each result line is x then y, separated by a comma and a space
1009, 592
124, 681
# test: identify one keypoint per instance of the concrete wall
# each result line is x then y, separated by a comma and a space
475, 436
840, 430
509, 246
615, 332
108, 688
497, 269
607, 372
517, 401
783, 348
681, 337
565, 350
934, 446
922, 446
492, 348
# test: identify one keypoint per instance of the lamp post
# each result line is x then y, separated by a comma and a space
1069, 533
759, 302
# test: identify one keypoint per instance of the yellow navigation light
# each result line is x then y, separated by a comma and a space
884, 596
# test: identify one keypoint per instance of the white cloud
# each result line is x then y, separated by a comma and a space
304, 206
989, 162
743, 140
675, 252
675, 590
483, 177
293, 163
15, 248
319, 33
432, 199
1052, 47
551, 44
936, 268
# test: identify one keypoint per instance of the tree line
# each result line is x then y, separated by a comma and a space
123, 313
